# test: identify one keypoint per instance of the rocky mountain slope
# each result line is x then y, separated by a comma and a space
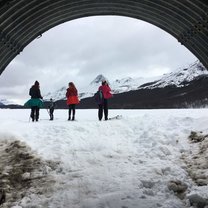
184, 88
117, 86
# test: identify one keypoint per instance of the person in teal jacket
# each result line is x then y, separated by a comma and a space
35, 103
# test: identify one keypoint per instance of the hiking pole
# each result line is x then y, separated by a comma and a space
48, 111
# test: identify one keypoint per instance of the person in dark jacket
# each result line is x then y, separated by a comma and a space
72, 100
35, 102
106, 92
51, 107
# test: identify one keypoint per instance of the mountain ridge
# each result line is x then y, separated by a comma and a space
185, 87
180, 78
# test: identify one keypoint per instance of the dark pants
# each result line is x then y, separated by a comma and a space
35, 113
51, 110
72, 109
103, 107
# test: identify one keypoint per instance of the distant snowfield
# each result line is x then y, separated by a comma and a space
124, 163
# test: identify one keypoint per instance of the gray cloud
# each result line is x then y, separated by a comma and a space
81, 49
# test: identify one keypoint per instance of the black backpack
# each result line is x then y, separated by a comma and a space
98, 96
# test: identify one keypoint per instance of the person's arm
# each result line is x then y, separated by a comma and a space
109, 91
39, 94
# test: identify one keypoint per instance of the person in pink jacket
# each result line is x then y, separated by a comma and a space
106, 92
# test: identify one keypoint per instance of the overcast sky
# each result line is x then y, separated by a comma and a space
79, 50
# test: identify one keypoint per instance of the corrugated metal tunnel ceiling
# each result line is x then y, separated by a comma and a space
21, 21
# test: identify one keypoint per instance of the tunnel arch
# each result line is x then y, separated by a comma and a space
22, 21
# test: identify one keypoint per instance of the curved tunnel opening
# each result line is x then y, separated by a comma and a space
23, 21
81, 49
138, 149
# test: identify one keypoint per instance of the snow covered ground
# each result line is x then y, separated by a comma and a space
126, 163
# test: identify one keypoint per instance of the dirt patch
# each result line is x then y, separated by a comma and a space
197, 159
22, 172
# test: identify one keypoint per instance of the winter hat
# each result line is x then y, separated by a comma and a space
36, 82
103, 82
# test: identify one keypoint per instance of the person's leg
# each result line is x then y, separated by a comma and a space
70, 107
37, 109
73, 108
52, 110
32, 115
100, 112
51, 113
106, 109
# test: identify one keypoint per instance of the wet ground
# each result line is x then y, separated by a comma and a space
22, 172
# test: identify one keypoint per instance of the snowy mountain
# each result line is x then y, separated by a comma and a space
56, 95
129, 84
180, 78
90, 90
98, 80
117, 86
87, 91
5, 102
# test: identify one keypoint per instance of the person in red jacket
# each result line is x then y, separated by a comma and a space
72, 100
106, 91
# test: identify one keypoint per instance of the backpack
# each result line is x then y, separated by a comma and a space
98, 96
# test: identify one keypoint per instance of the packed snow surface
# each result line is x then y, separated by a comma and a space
108, 164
